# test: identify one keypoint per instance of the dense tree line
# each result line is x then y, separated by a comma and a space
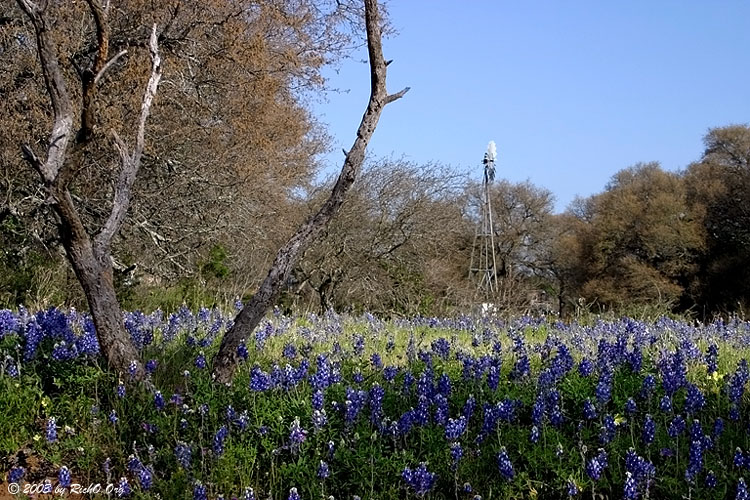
229, 168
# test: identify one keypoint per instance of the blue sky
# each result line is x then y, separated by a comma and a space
571, 92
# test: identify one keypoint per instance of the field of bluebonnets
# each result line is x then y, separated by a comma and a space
345, 407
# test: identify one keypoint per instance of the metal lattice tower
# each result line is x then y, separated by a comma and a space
483, 266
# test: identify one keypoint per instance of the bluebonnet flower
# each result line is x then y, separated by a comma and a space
321, 379
248, 494
134, 465
630, 406
537, 411
741, 493
736, 387
522, 368
9, 324
113, 416
242, 351
297, 434
200, 361
11, 368
376, 361
676, 426
631, 487
199, 491
504, 465
589, 410
51, 432
33, 335
441, 347
123, 488
358, 344
63, 477
419, 479
695, 460
493, 378
389, 373
132, 369
289, 351
444, 385
649, 430
710, 480
151, 365
711, 358
441, 410
145, 478
665, 404
604, 386
323, 471
694, 400
318, 400
16, 474
293, 495
534, 435
608, 430
585, 367
456, 453
556, 417
739, 457
158, 400
219, 438
572, 489
718, 427
594, 468
734, 412
469, 407
183, 454
466, 488
259, 380
454, 429
648, 386
319, 419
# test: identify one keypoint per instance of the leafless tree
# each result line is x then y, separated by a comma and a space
89, 254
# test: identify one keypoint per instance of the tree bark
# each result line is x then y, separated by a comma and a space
90, 257
248, 318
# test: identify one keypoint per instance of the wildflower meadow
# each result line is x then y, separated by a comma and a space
344, 407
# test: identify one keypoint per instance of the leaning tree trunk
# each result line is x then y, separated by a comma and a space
249, 317
89, 256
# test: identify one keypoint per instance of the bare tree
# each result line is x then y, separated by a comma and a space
89, 255
249, 317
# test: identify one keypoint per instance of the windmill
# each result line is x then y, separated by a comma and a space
483, 266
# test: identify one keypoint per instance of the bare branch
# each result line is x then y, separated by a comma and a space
397, 95
62, 107
89, 75
131, 162
107, 66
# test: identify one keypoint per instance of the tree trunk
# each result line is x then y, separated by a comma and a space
249, 317
93, 268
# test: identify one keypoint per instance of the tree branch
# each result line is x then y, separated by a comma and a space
62, 108
131, 162
107, 66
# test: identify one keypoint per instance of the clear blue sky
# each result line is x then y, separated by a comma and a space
571, 91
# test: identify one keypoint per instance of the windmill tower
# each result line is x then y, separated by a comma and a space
483, 266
